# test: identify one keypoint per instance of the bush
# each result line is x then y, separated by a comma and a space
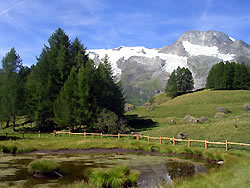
41, 165
10, 149
109, 122
120, 176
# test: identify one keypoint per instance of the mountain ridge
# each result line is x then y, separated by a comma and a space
144, 72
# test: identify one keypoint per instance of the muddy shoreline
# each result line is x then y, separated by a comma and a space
94, 150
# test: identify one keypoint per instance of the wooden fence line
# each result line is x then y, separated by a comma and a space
138, 136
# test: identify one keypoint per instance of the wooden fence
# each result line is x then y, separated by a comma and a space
173, 140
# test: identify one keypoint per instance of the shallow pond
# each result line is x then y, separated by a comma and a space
154, 168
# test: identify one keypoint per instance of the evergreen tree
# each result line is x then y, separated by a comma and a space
237, 77
244, 76
65, 105
171, 87
219, 75
210, 78
228, 76
10, 87
48, 76
181, 81
87, 107
109, 93
78, 54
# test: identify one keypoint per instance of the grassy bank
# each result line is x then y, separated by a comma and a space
233, 126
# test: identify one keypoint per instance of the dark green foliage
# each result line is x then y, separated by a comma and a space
120, 176
87, 104
109, 122
12, 78
108, 92
228, 76
78, 54
48, 77
64, 89
65, 106
181, 81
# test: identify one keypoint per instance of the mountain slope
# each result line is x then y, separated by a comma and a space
144, 72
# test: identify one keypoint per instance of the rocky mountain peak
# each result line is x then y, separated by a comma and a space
144, 72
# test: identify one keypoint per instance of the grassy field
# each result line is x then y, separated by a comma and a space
233, 126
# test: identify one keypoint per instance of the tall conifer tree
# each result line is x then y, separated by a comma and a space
10, 87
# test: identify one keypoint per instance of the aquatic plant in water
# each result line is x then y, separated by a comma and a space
120, 176
40, 168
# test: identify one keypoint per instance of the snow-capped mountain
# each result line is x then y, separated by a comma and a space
144, 72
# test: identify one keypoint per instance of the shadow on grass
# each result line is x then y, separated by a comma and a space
140, 123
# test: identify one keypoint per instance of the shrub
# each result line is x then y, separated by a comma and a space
41, 165
8, 149
120, 176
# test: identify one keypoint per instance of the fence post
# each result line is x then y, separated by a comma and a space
173, 141
23, 134
148, 139
39, 134
118, 135
188, 142
206, 144
84, 135
160, 140
101, 135
54, 132
137, 137
226, 146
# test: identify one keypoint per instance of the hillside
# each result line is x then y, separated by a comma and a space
233, 126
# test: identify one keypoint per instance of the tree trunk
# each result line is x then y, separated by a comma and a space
14, 122
7, 123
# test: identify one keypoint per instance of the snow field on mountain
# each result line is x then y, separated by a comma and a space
195, 50
172, 61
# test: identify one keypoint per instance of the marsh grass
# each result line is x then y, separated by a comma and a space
41, 165
115, 177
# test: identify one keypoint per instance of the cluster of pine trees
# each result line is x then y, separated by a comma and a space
63, 89
229, 76
180, 82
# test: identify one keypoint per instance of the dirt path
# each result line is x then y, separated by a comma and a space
93, 150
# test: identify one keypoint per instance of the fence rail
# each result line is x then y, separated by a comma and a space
138, 137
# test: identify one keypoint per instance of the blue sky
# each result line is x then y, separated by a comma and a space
27, 24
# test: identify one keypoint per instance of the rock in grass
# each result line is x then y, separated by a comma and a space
44, 168
180, 136
191, 119
246, 106
222, 110
219, 115
150, 108
203, 119
129, 107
